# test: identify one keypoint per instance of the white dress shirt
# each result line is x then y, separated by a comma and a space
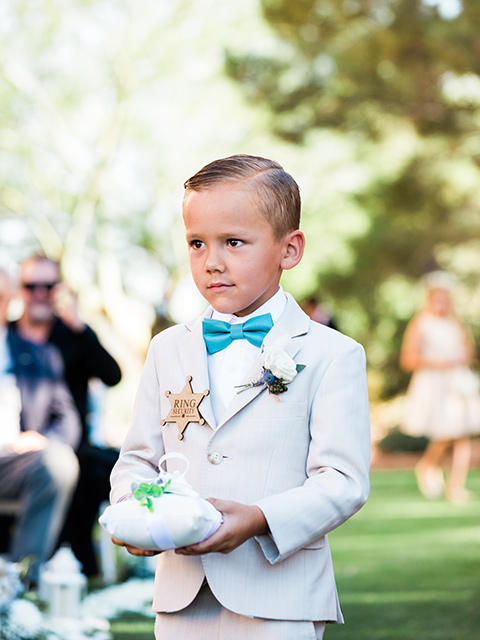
227, 368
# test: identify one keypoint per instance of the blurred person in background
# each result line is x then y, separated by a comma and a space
319, 312
51, 315
442, 400
39, 429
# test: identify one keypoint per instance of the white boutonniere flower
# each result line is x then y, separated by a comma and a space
278, 369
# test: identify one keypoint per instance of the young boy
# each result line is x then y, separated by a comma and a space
285, 461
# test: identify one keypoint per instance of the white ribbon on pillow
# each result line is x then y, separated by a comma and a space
178, 485
202, 516
180, 516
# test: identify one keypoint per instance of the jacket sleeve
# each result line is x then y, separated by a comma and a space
338, 462
143, 445
99, 363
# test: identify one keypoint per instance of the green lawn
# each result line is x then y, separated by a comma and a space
406, 569
132, 627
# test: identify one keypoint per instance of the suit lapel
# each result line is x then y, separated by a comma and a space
192, 356
292, 323
241, 399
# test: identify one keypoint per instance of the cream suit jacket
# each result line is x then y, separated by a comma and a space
302, 457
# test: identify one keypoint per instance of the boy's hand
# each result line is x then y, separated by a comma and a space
135, 551
240, 522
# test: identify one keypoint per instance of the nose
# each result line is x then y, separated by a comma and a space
214, 262
41, 293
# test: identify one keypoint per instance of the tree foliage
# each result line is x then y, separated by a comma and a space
401, 80
106, 108
351, 62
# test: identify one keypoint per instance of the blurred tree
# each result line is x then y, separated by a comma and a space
106, 107
104, 111
400, 79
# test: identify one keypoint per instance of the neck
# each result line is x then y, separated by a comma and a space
34, 331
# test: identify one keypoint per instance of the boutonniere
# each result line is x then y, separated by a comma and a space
278, 370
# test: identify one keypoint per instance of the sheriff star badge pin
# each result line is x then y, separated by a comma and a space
184, 407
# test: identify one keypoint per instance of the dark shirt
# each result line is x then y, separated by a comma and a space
84, 358
46, 403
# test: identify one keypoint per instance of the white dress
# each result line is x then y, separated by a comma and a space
442, 403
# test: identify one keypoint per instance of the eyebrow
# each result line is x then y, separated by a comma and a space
230, 233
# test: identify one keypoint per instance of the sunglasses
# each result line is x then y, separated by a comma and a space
35, 286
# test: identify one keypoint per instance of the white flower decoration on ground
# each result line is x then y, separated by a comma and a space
25, 620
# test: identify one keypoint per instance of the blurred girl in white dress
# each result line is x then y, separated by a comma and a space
442, 400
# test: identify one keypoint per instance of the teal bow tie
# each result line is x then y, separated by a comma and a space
218, 334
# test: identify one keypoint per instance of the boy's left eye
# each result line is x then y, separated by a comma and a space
234, 242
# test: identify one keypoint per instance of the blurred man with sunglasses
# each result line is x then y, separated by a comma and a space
51, 315
39, 429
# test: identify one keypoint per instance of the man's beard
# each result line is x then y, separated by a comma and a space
40, 313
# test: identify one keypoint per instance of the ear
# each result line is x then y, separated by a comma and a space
294, 244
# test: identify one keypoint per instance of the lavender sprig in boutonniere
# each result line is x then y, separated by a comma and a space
278, 370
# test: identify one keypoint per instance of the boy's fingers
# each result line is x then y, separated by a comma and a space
134, 551
220, 505
214, 502
201, 547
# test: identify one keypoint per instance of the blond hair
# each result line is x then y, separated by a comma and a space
278, 193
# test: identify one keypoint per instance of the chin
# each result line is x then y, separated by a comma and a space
41, 317
223, 306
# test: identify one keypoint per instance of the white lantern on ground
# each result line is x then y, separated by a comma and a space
62, 584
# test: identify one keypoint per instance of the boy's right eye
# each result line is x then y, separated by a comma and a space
196, 244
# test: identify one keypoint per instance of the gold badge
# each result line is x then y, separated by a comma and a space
185, 407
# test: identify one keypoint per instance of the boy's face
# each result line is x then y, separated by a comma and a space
235, 260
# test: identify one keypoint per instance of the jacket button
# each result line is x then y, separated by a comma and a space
215, 457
